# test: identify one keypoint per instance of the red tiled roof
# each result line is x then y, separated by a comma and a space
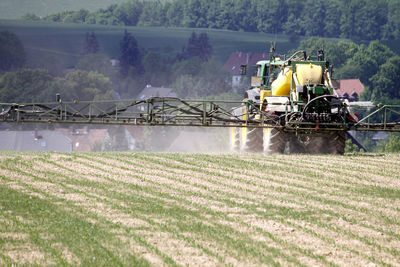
350, 86
238, 58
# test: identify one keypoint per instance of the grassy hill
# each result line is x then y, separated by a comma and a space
13, 9
141, 209
64, 42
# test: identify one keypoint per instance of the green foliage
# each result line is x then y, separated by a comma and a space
25, 86
392, 27
96, 62
354, 19
387, 80
30, 17
200, 80
197, 46
393, 144
84, 85
36, 85
157, 69
12, 54
130, 56
128, 13
351, 148
91, 45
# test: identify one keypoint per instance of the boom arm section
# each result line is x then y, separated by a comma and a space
178, 112
152, 111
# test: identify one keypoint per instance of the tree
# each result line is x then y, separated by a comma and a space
393, 145
91, 45
332, 16
30, 17
174, 13
313, 17
96, 62
197, 47
392, 27
204, 47
84, 85
386, 82
368, 60
157, 70
204, 80
12, 53
129, 12
152, 15
26, 85
130, 54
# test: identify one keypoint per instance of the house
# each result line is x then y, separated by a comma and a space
236, 60
115, 137
114, 62
379, 136
85, 139
350, 89
43, 140
150, 91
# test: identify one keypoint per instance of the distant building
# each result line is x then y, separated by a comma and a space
114, 62
85, 139
350, 89
236, 60
150, 91
379, 136
45, 140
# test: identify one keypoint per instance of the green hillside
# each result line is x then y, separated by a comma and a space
164, 209
46, 40
13, 9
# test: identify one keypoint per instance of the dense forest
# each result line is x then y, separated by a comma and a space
353, 19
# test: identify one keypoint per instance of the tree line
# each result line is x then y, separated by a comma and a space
191, 72
353, 19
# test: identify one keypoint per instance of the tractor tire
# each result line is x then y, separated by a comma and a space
295, 145
317, 145
333, 143
275, 141
337, 142
253, 140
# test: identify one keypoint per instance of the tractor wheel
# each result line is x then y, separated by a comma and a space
317, 145
295, 145
333, 143
253, 140
337, 142
274, 141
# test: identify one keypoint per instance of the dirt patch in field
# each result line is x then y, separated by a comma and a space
26, 254
179, 250
141, 251
67, 255
14, 236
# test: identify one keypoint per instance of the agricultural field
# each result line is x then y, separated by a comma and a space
63, 42
199, 209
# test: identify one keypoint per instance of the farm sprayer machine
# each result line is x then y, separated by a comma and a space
290, 106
